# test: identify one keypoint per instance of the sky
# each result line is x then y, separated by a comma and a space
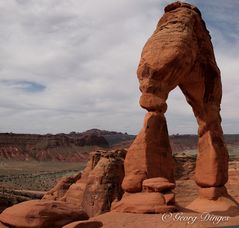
70, 65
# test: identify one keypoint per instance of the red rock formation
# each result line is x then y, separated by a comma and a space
100, 184
59, 190
39, 213
60, 147
150, 147
74, 198
179, 53
143, 202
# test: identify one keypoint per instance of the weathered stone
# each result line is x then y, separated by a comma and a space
169, 198
212, 160
157, 184
143, 202
103, 186
59, 190
41, 213
75, 194
100, 184
179, 53
150, 154
213, 193
221, 204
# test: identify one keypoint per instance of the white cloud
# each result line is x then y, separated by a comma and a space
86, 54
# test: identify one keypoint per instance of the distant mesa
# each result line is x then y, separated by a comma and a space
60, 147
76, 146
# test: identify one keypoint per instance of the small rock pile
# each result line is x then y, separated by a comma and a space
156, 197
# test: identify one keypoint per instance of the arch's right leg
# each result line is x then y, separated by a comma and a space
203, 92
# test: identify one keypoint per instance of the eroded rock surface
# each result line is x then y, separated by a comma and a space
39, 213
150, 154
99, 185
60, 189
74, 198
179, 53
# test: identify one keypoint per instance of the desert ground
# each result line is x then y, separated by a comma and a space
26, 180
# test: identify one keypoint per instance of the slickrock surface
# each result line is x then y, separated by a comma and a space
39, 213
84, 224
174, 220
143, 203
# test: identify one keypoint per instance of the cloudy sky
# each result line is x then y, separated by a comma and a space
70, 65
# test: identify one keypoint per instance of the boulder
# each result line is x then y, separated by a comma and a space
41, 213
157, 184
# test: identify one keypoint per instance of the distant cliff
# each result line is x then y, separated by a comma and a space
76, 146
189, 142
62, 147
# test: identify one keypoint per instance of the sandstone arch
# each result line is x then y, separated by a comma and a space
179, 53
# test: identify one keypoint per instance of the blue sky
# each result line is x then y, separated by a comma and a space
70, 65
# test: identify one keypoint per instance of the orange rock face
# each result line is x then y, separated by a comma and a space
179, 53
59, 190
100, 183
150, 154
